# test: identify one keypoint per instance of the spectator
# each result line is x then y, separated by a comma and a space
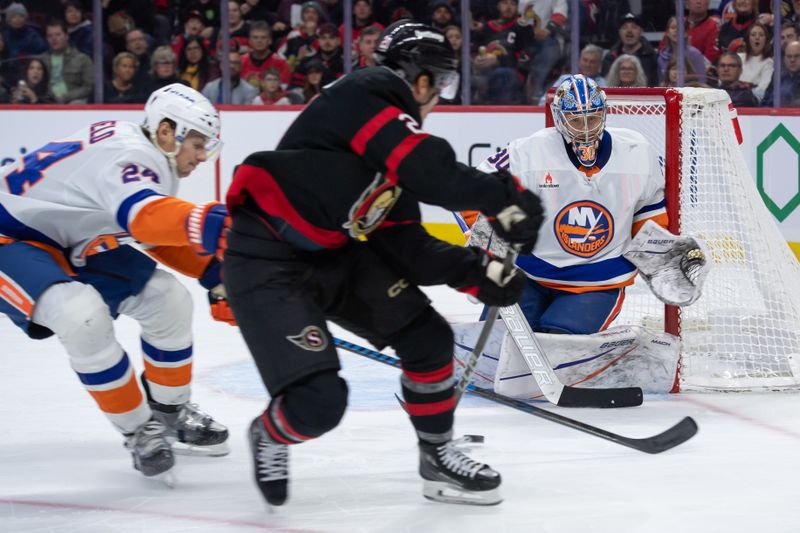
363, 18
193, 26
456, 39
34, 87
693, 56
626, 71
312, 84
631, 42
71, 72
367, 41
735, 28
757, 64
591, 59
271, 91
790, 79
9, 68
79, 30
22, 39
121, 89
209, 10
260, 57
497, 76
195, 65
136, 42
302, 40
789, 33
442, 15
330, 54
729, 70
547, 20
242, 93
703, 29
794, 16
237, 26
671, 73
163, 69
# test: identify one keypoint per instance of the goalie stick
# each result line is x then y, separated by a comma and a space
535, 358
666, 440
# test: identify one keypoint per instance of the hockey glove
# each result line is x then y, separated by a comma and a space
494, 288
207, 228
519, 222
220, 310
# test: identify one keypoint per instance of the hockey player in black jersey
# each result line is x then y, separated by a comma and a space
327, 227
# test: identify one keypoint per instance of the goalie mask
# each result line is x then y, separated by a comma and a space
579, 113
190, 111
410, 49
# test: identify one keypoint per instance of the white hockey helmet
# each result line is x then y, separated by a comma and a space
189, 110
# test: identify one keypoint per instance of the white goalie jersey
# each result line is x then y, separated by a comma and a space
91, 185
590, 216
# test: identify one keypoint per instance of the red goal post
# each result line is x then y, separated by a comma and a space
744, 332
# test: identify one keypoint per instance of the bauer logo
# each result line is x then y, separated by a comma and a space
584, 228
312, 338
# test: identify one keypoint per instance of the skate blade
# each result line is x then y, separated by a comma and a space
167, 478
440, 491
214, 450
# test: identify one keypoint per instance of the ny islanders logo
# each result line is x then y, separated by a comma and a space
584, 228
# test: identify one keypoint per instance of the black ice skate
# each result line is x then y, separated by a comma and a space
152, 454
270, 463
452, 477
191, 431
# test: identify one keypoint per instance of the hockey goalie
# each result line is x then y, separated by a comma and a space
603, 195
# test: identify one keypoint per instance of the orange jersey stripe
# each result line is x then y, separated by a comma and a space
120, 400
168, 377
163, 222
662, 220
15, 296
585, 288
181, 258
470, 217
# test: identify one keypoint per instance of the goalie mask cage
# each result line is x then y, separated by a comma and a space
744, 331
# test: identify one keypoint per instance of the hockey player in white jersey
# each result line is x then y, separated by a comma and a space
599, 186
68, 214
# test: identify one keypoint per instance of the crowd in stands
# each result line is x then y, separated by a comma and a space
284, 51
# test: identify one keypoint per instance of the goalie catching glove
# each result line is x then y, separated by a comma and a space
492, 285
673, 266
519, 222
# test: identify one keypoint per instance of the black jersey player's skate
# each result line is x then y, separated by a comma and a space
270, 463
188, 429
152, 454
452, 477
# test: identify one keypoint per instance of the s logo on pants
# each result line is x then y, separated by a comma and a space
312, 338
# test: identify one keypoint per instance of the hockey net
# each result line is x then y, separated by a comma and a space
744, 332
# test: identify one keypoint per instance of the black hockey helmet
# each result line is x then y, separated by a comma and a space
414, 48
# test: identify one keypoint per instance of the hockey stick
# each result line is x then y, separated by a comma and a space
486, 330
674, 436
539, 366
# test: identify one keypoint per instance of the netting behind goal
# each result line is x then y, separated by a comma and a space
744, 332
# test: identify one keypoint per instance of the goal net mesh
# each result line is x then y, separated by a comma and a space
744, 332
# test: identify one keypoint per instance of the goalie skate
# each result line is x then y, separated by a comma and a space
270, 463
452, 477
190, 431
152, 454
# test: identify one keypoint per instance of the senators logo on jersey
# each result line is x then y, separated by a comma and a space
311, 338
372, 207
584, 228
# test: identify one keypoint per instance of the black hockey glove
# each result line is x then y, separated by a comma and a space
494, 288
519, 222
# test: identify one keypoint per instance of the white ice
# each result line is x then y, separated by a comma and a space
63, 468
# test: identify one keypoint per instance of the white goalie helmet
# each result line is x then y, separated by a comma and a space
579, 113
189, 110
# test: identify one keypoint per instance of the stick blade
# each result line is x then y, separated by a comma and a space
603, 398
674, 436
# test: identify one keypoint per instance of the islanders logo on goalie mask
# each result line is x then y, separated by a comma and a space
584, 228
579, 113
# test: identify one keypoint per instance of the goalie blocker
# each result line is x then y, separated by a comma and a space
673, 266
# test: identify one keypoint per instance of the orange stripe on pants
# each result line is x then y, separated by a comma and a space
168, 377
15, 297
120, 400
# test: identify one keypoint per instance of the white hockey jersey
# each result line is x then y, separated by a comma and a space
589, 216
80, 194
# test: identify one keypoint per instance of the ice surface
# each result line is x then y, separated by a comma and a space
63, 468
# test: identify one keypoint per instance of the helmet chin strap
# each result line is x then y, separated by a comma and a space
173, 163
